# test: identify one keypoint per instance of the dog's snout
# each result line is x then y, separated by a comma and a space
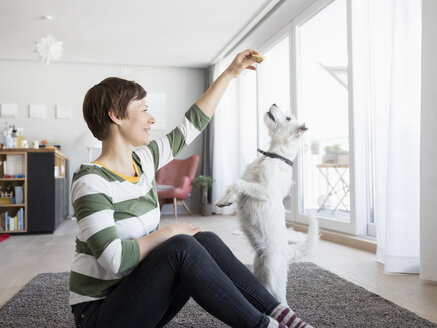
269, 113
274, 105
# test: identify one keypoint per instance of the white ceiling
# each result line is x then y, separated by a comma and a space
187, 33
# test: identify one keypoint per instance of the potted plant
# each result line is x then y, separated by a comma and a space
331, 153
315, 147
204, 182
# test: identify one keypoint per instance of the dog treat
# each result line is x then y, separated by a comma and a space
258, 58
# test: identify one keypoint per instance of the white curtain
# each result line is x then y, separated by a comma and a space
395, 86
225, 146
234, 144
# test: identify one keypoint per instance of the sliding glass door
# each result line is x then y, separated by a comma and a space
323, 102
308, 73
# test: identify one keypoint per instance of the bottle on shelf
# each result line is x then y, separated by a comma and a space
20, 138
14, 137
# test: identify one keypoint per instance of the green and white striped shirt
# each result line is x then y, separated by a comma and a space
111, 212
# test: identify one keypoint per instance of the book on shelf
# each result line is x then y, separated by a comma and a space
21, 211
12, 223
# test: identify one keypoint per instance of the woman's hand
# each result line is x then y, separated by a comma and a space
209, 100
183, 228
149, 242
242, 61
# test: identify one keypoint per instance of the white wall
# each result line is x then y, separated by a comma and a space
26, 82
428, 159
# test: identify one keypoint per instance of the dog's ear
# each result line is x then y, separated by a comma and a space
301, 130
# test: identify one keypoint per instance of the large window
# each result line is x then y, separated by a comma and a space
323, 104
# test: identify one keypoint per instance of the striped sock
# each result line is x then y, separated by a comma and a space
274, 324
287, 317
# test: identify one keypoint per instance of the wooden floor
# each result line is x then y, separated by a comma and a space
22, 257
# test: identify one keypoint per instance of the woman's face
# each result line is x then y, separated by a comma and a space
136, 127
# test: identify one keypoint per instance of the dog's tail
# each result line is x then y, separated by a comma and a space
306, 247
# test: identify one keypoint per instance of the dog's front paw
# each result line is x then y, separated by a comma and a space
228, 199
222, 204
224, 201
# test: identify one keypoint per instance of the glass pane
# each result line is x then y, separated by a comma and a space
323, 105
273, 84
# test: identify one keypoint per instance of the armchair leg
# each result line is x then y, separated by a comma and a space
186, 208
175, 208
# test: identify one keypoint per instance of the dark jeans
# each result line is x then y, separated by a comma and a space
202, 267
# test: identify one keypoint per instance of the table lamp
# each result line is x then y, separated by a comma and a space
88, 141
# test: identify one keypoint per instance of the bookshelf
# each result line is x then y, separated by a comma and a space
41, 177
13, 212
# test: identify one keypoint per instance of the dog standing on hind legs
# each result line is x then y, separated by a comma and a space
259, 194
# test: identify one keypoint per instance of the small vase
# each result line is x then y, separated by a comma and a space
205, 209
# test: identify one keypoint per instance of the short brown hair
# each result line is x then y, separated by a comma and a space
112, 94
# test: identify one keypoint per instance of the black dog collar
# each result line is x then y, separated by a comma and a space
273, 155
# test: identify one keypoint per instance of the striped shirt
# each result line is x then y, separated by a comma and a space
112, 211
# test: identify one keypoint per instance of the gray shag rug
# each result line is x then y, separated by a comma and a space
319, 297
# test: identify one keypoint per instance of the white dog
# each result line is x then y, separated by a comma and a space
259, 194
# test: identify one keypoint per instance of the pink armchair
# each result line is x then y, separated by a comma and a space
173, 182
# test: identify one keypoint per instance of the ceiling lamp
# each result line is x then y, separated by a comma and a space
49, 49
